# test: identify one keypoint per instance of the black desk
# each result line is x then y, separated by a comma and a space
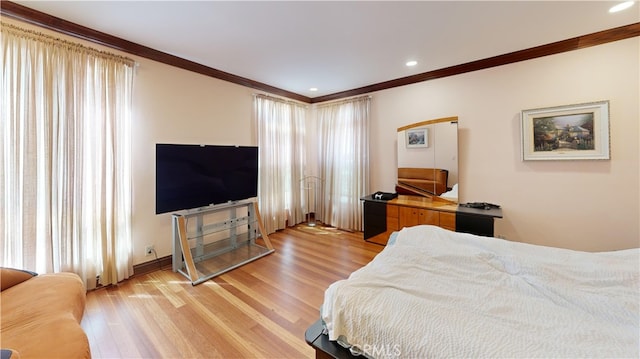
476, 221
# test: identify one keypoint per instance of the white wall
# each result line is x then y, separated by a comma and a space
585, 205
579, 204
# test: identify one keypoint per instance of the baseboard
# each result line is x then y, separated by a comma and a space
152, 266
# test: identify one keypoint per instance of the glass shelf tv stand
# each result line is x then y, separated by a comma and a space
214, 240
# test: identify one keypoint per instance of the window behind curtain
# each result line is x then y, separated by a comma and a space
65, 188
281, 132
343, 128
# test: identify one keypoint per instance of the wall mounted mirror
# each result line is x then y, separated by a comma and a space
428, 159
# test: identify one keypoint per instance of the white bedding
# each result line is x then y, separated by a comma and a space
437, 293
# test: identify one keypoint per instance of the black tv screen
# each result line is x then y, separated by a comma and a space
193, 176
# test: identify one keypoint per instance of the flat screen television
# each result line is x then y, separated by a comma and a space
193, 176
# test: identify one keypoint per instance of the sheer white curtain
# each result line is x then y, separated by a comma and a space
65, 188
281, 132
343, 128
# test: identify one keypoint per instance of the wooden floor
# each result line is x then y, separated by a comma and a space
259, 310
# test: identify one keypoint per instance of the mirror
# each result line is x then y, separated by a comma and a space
428, 159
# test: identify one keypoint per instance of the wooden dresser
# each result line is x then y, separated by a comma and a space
381, 218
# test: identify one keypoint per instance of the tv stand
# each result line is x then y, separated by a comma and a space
210, 241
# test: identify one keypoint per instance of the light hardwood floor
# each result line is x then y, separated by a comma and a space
259, 310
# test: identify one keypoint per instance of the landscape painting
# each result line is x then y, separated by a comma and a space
566, 132
417, 138
563, 133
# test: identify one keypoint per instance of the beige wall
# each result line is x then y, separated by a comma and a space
585, 205
171, 105
579, 204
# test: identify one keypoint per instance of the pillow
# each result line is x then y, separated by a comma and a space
10, 277
10, 354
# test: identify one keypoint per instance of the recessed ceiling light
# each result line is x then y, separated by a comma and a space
622, 6
411, 63
313, 89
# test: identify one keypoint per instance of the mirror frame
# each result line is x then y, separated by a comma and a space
425, 124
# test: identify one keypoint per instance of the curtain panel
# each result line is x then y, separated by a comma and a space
281, 140
65, 188
343, 128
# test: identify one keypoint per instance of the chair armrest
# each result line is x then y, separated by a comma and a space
11, 276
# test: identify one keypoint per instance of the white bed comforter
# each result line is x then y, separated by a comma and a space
441, 294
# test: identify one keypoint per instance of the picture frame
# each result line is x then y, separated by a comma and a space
573, 132
417, 138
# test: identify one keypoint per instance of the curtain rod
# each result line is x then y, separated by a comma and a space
345, 100
40, 36
281, 99
330, 103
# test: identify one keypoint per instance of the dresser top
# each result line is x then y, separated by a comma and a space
428, 203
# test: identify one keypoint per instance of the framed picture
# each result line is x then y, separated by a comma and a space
574, 132
417, 137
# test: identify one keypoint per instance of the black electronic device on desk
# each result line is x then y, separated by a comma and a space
481, 205
384, 196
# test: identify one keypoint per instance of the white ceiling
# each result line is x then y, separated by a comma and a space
338, 45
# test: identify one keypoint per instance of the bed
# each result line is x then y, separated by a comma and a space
433, 293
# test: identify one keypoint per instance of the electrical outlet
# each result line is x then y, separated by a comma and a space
148, 250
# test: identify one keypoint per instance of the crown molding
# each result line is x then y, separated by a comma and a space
19, 12
34, 17
576, 43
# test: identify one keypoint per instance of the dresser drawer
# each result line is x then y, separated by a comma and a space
448, 220
392, 211
427, 216
392, 224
